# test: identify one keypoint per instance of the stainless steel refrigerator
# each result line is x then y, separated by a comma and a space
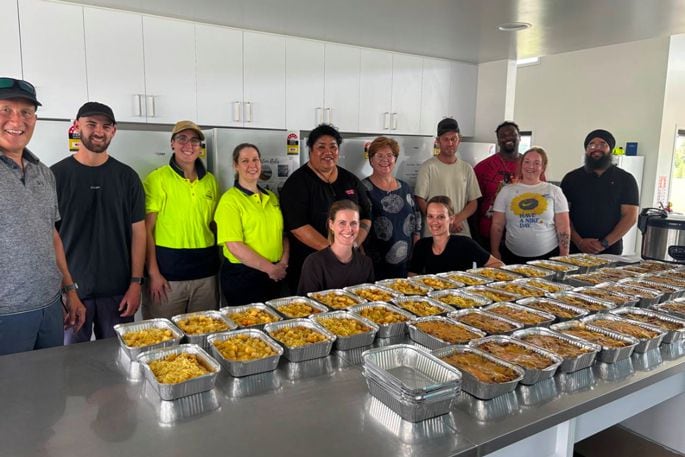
279, 159
414, 150
143, 148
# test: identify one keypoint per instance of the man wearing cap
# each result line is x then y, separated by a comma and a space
32, 263
603, 199
182, 257
102, 203
446, 175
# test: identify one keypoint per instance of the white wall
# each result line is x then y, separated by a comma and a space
674, 106
619, 88
495, 98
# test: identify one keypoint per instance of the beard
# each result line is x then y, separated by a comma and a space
510, 151
598, 164
93, 147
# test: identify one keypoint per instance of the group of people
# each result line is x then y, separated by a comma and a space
153, 243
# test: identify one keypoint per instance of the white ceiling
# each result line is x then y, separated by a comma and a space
455, 29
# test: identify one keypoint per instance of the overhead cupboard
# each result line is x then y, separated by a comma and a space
158, 70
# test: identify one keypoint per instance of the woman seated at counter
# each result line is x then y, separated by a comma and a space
534, 214
341, 264
444, 252
250, 229
396, 220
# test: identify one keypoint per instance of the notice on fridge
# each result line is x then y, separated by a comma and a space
276, 169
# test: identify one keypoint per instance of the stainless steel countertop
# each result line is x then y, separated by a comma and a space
88, 400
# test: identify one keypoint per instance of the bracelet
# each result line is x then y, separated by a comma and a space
137, 280
69, 287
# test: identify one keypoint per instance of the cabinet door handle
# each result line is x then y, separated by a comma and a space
236, 111
386, 120
137, 106
329, 115
150, 106
248, 111
394, 121
318, 115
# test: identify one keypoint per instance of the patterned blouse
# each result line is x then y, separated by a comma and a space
395, 219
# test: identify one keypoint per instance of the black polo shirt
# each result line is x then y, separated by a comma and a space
306, 199
595, 201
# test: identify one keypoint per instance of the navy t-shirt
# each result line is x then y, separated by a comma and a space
459, 254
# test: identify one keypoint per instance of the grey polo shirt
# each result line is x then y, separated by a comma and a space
28, 212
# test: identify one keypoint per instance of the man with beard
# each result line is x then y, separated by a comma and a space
494, 172
102, 204
603, 199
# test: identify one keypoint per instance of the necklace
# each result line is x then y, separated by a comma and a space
333, 174
386, 186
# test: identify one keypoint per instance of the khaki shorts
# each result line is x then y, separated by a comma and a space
184, 297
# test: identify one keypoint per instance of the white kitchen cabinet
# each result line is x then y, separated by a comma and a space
264, 80
405, 115
219, 53
375, 91
390, 92
304, 83
435, 94
10, 51
341, 87
54, 56
463, 88
169, 50
116, 80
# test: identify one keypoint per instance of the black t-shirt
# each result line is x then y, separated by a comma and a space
459, 254
306, 199
98, 206
322, 270
595, 201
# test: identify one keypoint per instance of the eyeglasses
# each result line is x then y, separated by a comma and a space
384, 156
598, 145
183, 140
9, 83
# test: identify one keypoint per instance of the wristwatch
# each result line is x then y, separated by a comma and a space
604, 243
69, 287
137, 280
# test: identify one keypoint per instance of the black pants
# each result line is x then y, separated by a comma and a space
242, 285
510, 258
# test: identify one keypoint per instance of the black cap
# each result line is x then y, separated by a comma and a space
17, 88
603, 134
447, 125
94, 109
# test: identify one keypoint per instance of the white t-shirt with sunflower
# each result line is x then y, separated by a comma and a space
529, 213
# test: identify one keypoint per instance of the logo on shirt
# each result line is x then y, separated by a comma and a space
349, 191
95, 187
528, 203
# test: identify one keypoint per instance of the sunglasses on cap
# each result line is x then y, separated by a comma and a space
10, 83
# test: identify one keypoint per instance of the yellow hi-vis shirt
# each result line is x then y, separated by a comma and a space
253, 218
184, 208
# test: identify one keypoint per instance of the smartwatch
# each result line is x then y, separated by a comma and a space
136, 280
69, 287
604, 243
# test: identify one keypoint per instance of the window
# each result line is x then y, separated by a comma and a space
526, 140
677, 191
